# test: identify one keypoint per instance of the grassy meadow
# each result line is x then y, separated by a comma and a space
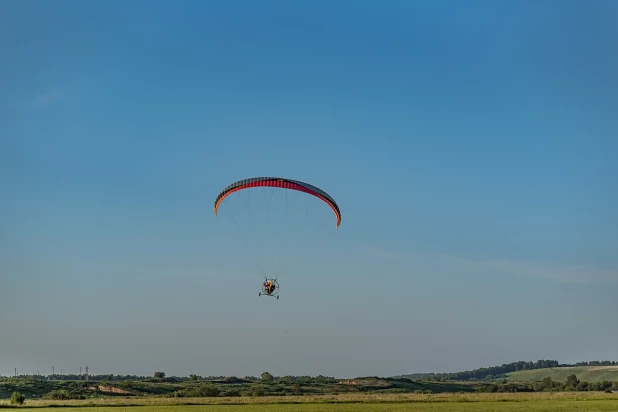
321, 393
584, 373
557, 401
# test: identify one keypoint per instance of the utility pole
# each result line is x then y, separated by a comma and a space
53, 370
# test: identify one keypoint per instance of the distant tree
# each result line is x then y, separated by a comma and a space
547, 384
160, 375
259, 391
572, 382
296, 390
267, 377
193, 377
582, 386
18, 398
605, 384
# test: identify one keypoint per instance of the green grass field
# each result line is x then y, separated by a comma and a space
584, 373
589, 406
546, 402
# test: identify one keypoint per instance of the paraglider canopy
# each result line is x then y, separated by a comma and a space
282, 183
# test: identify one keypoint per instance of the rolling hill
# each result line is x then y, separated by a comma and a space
583, 373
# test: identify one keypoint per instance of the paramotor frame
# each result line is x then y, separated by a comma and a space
270, 287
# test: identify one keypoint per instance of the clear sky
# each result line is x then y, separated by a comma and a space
472, 148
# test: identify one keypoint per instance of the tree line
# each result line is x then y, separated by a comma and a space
597, 363
160, 376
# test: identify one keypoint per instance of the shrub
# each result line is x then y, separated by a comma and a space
18, 398
259, 391
202, 391
210, 390
58, 395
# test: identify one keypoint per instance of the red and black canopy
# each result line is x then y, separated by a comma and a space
281, 183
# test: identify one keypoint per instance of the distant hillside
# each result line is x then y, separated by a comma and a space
583, 373
492, 372
524, 369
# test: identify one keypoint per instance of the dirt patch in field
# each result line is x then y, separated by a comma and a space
110, 389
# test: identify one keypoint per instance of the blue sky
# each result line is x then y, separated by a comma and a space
471, 148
